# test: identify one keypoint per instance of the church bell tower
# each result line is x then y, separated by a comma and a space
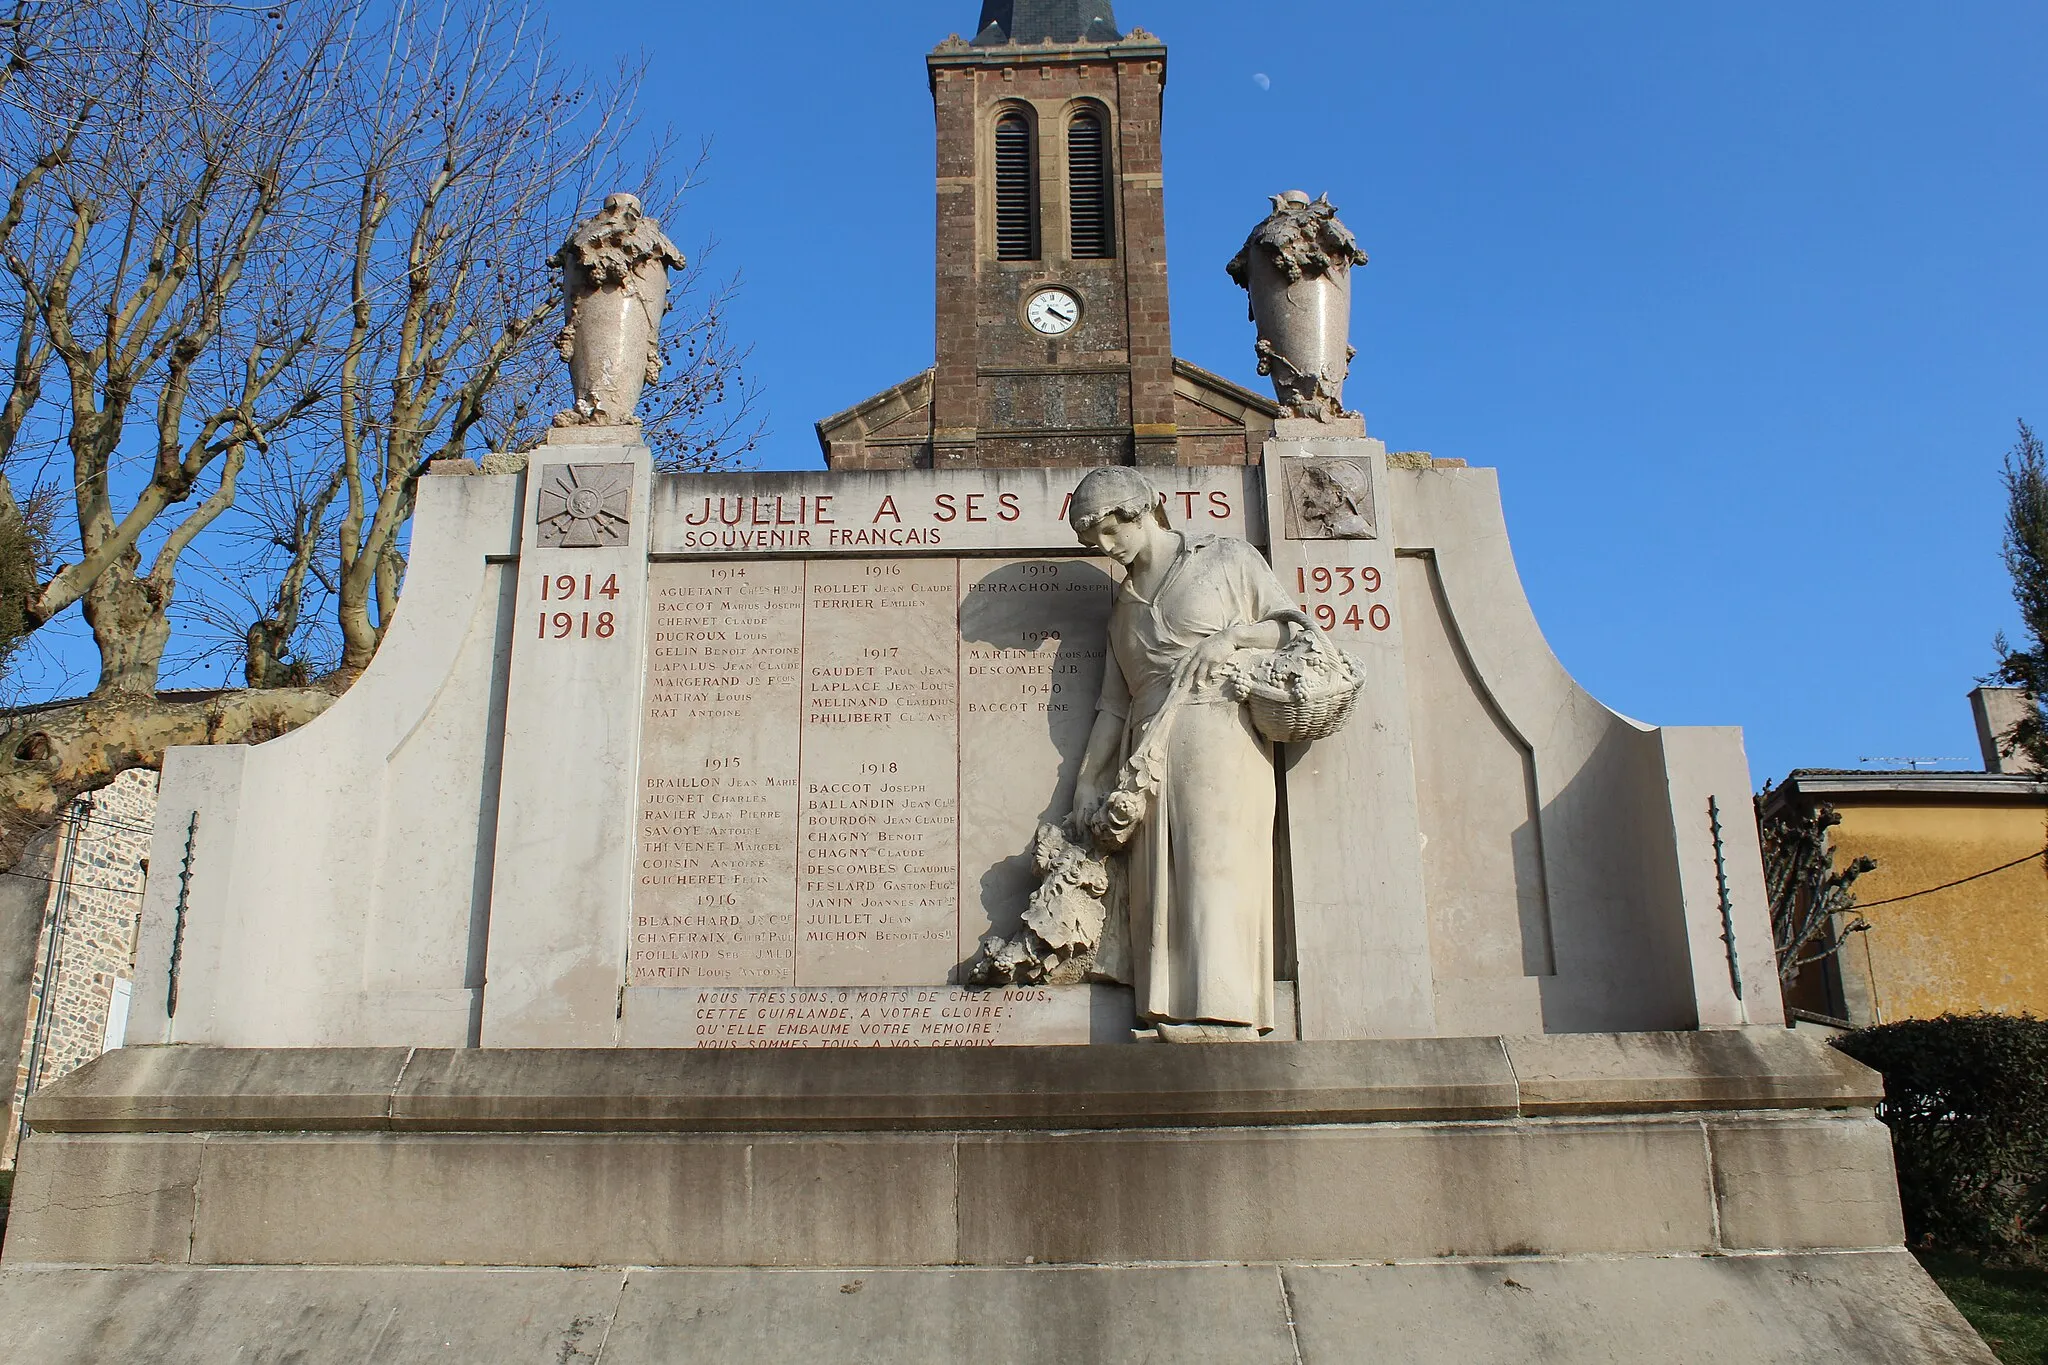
1053, 342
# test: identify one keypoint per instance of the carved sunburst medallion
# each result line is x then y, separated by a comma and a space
585, 506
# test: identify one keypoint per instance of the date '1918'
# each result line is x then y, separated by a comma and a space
1343, 581
584, 625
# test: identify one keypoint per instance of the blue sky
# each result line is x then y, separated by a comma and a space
1741, 299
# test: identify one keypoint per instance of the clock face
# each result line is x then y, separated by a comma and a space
1053, 312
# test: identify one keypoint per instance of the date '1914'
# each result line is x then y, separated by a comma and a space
584, 625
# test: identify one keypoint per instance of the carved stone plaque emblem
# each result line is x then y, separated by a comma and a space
585, 506
1330, 500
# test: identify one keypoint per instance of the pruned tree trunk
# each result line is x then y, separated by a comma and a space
1812, 900
130, 619
54, 755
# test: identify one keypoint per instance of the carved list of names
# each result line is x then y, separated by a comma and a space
814, 730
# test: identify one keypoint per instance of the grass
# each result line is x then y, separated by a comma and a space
2009, 1308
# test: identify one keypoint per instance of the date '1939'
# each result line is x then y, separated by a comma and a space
1341, 581
583, 625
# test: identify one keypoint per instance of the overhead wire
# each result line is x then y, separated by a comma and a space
1928, 891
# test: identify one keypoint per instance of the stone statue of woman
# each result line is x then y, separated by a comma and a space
615, 273
1175, 773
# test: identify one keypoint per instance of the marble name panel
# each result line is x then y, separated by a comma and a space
876, 1016
844, 761
921, 511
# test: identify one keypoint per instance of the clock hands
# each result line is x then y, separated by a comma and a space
1054, 311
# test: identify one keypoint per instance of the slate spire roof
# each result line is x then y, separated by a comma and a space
1007, 22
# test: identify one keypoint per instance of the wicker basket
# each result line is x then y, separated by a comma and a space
1302, 691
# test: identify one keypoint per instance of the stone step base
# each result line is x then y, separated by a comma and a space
1628, 1185
1869, 1308
1387, 1150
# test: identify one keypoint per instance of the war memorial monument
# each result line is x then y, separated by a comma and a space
1108, 869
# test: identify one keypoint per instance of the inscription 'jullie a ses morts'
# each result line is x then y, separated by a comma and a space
857, 520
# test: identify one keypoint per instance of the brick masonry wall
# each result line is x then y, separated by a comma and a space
1002, 395
1141, 86
96, 906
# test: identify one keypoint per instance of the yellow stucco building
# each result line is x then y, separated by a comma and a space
1958, 905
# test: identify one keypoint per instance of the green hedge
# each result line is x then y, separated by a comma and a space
1966, 1098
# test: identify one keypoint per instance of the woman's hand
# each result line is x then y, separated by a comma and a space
1087, 796
1212, 656
1098, 766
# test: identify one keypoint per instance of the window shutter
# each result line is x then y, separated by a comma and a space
1016, 220
1092, 234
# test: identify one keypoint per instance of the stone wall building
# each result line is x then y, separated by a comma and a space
1958, 905
94, 908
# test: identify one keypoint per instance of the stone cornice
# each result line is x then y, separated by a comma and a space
954, 54
1833, 786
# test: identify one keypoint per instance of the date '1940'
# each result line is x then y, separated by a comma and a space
1341, 581
583, 625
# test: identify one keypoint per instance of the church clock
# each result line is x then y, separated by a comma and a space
1052, 312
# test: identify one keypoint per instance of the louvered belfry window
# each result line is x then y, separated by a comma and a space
1016, 190
1093, 235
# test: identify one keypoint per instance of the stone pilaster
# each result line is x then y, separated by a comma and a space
561, 887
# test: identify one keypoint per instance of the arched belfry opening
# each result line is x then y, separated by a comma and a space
1016, 187
1053, 344
1091, 220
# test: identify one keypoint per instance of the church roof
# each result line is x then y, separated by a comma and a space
1007, 22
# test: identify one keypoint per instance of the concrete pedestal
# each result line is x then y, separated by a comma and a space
1697, 1197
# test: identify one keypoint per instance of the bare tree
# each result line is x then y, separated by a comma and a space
152, 252
1812, 901
158, 153
32, 31
266, 264
472, 155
